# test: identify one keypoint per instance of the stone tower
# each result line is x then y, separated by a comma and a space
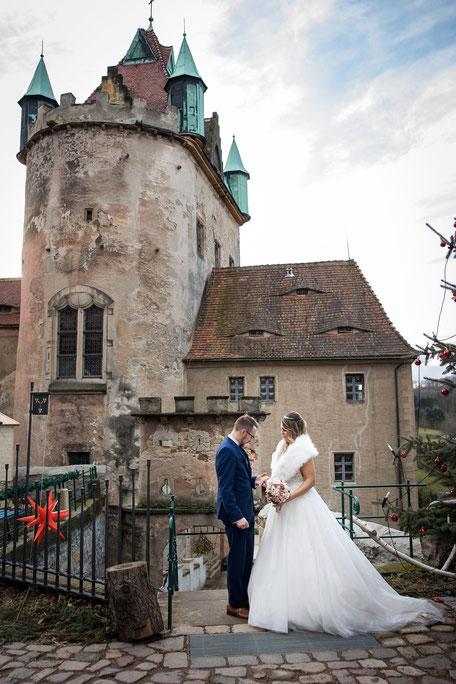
126, 214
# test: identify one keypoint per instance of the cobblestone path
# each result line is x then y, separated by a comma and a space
413, 655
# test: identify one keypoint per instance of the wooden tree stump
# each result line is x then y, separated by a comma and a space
133, 601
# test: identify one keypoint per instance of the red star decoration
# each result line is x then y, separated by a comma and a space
40, 519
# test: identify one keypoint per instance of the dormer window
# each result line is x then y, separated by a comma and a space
345, 329
302, 291
5, 308
256, 333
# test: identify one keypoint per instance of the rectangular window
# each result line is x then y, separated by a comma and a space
4, 308
78, 457
256, 333
267, 388
236, 388
217, 253
343, 468
67, 342
88, 214
354, 386
231, 262
93, 342
345, 329
199, 239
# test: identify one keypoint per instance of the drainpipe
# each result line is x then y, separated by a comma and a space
400, 470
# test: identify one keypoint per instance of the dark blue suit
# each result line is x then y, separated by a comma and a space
235, 501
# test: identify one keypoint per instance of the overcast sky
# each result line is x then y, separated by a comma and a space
344, 113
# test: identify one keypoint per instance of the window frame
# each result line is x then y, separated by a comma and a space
199, 238
79, 298
267, 399
350, 456
235, 396
217, 254
355, 398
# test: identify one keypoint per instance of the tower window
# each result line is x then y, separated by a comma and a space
67, 343
236, 388
88, 215
354, 387
343, 468
267, 388
93, 342
199, 239
217, 254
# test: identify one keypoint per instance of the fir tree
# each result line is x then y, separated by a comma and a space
436, 455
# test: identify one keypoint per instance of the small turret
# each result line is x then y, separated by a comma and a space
236, 177
186, 89
39, 92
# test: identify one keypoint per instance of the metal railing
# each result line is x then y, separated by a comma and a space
354, 508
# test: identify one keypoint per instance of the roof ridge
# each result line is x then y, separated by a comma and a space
157, 46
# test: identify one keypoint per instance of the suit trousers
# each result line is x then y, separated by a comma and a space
240, 559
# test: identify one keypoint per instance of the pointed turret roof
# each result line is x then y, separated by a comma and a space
234, 161
40, 84
185, 65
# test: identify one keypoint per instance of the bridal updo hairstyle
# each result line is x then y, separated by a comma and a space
294, 424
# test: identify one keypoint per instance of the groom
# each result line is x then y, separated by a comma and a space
235, 509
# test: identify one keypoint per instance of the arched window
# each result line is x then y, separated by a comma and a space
79, 340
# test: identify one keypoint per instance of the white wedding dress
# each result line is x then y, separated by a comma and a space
309, 574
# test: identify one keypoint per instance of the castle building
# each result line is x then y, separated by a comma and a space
137, 317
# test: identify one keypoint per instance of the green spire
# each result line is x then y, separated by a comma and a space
236, 177
185, 65
40, 84
234, 162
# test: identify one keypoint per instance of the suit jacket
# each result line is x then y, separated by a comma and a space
235, 483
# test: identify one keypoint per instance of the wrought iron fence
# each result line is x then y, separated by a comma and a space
354, 507
72, 557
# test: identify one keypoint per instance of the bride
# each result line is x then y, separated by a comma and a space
309, 575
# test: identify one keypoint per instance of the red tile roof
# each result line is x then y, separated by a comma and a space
297, 326
146, 80
10, 292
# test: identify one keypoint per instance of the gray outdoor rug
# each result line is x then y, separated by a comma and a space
254, 643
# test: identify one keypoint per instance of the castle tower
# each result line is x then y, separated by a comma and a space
39, 93
236, 177
125, 218
186, 89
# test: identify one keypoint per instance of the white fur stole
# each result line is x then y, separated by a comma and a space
285, 465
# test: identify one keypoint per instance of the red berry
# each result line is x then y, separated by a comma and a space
417, 362
442, 243
452, 491
441, 355
403, 454
445, 391
394, 517
437, 460
443, 468
447, 353
422, 530
438, 600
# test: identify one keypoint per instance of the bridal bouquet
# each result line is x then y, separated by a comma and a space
277, 492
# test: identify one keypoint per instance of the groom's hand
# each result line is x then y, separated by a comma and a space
242, 524
261, 479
